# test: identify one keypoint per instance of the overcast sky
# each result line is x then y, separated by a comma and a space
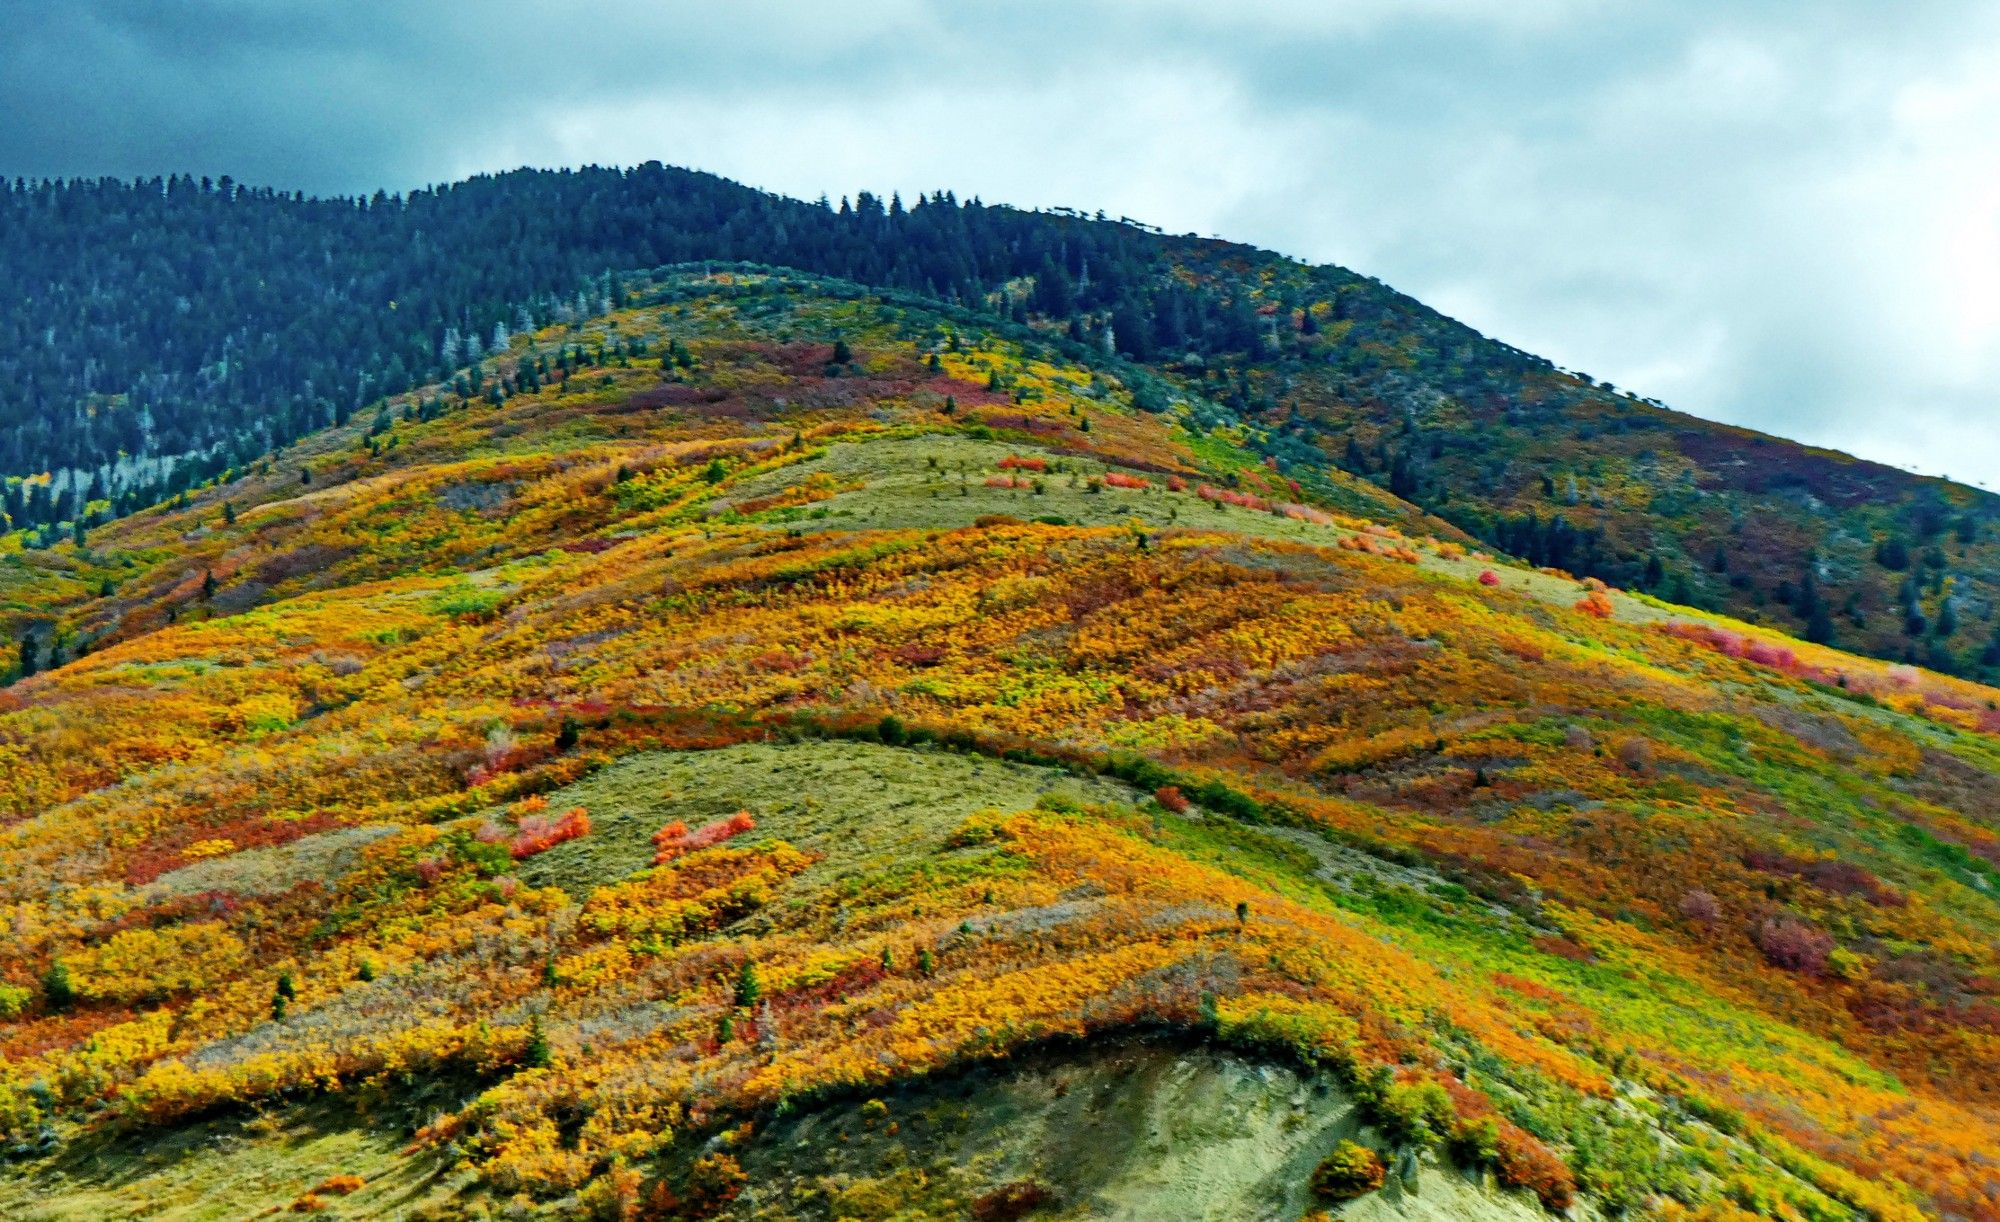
1778, 214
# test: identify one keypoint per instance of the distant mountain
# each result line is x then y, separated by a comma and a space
163, 332
786, 749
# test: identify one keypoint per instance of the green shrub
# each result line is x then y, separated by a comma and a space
470, 602
1416, 1113
1475, 1143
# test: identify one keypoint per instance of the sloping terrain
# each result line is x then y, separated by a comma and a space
1551, 467
163, 332
758, 748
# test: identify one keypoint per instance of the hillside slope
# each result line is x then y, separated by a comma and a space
796, 750
163, 332
1548, 466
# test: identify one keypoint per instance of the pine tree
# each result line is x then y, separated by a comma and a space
748, 988
56, 987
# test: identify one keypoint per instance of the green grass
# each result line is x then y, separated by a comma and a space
904, 491
859, 805
937, 482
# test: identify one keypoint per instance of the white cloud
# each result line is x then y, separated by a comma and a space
1781, 217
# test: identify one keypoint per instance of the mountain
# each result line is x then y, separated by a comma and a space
785, 748
165, 332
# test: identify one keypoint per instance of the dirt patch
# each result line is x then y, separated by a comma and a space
1140, 1130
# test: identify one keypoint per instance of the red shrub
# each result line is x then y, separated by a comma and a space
1597, 604
915, 653
540, 833
1765, 654
1827, 874
1527, 1163
1793, 945
1118, 480
1170, 797
1014, 462
1011, 1201
1699, 905
1519, 1159
1222, 496
1489, 578
675, 840
1564, 948
1176, 484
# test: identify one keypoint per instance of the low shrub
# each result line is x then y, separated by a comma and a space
1011, 1201
1350, 1171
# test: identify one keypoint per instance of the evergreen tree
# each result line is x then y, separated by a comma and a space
749, 990
1893, 554
57, 990
536, 1054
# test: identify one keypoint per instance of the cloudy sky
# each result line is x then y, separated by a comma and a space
1778, 214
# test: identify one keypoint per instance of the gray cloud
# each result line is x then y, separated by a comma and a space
1778, 217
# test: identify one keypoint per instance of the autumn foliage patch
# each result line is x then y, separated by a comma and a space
675, 840
540, 833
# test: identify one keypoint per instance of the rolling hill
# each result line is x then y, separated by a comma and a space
164, 332
787, 748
